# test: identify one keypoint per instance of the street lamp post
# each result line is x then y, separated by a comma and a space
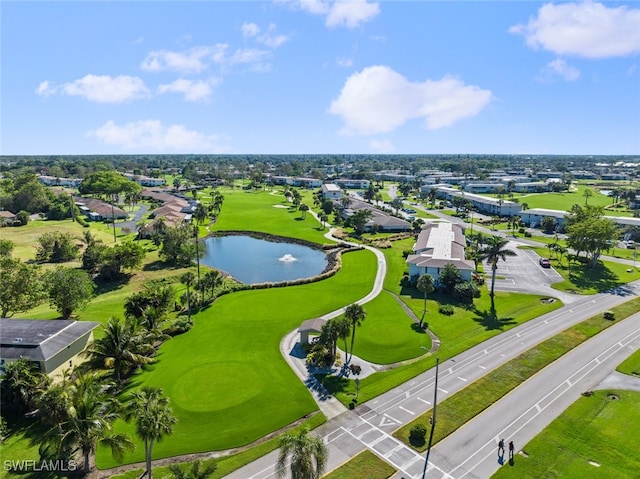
433, 420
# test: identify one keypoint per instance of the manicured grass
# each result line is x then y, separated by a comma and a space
263, 211
456, 410
584, 280
365, 465
598, 428
231, 462
631, 365
388, 335
226, 378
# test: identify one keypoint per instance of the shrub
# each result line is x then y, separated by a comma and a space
446, 309
355, 369
527, 234
417, 435
180, 326
466, 292
610, 315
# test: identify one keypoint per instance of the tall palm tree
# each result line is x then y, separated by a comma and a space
92, 411
188, 279
123, 348
154, 418
308, 455
197, 471
494, 251
355, 314
425, 284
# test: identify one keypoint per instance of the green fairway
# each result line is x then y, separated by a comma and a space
267, 212
597, 436
226, 378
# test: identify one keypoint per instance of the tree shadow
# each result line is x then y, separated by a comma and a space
490, 320
334, 384
599, 278
107, 286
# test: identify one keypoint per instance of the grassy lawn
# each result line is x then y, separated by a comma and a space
595, 429
387, 334
230, 463
365, 465
464, 329
631, 365
584, 280
456, 410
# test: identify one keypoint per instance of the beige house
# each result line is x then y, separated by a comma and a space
54, 345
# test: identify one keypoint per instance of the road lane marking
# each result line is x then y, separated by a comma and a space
406, 410
462, 379
424, 401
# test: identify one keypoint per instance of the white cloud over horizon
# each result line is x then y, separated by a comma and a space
153, 135
379, 100
193, 60
348, 13
587, 29
98, 88
381, 146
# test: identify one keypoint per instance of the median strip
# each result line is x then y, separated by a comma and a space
481, 394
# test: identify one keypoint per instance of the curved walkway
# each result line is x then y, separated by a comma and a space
292, 351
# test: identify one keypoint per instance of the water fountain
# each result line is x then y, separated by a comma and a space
287, 258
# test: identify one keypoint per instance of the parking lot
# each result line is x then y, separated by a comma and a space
523, 273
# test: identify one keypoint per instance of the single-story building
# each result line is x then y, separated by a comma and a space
54, 345
439, 244
7, 218
310, 326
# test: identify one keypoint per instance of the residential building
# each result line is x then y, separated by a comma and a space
439, 244
331, 191
7, 218
54, 345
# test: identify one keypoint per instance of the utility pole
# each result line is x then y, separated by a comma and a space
433, 420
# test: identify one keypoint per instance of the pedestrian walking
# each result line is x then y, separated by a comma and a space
501, 447
511, 449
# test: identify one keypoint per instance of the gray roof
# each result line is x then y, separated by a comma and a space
314, 325
39, 340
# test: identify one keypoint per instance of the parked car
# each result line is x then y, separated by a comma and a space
544, 262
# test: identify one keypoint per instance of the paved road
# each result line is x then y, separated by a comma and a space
471, 452
370, 425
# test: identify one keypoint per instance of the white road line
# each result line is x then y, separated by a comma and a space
462, 379
481, 367
406, 410
424, 401
554, 394
444, 391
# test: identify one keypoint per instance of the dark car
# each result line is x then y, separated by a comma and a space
544, 262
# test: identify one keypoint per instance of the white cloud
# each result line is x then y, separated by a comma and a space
344, 62
379, 100
194, 60
250, 30
348, 13
99, 88
45, 89
193, 91
381, 146
351, 13
586, 29
153, 135
559, 68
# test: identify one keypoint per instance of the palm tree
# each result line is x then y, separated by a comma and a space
303, 209
200, 214
355, 314
197, 470
154, 418
323, 217
493, 252
188, 279
308, 455
92, 410
122, 348
588, 193
425, 285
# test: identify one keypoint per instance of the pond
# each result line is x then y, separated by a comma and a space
251, 260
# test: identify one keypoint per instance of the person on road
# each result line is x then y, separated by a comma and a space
511, 449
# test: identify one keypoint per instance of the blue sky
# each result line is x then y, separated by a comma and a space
315, 76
